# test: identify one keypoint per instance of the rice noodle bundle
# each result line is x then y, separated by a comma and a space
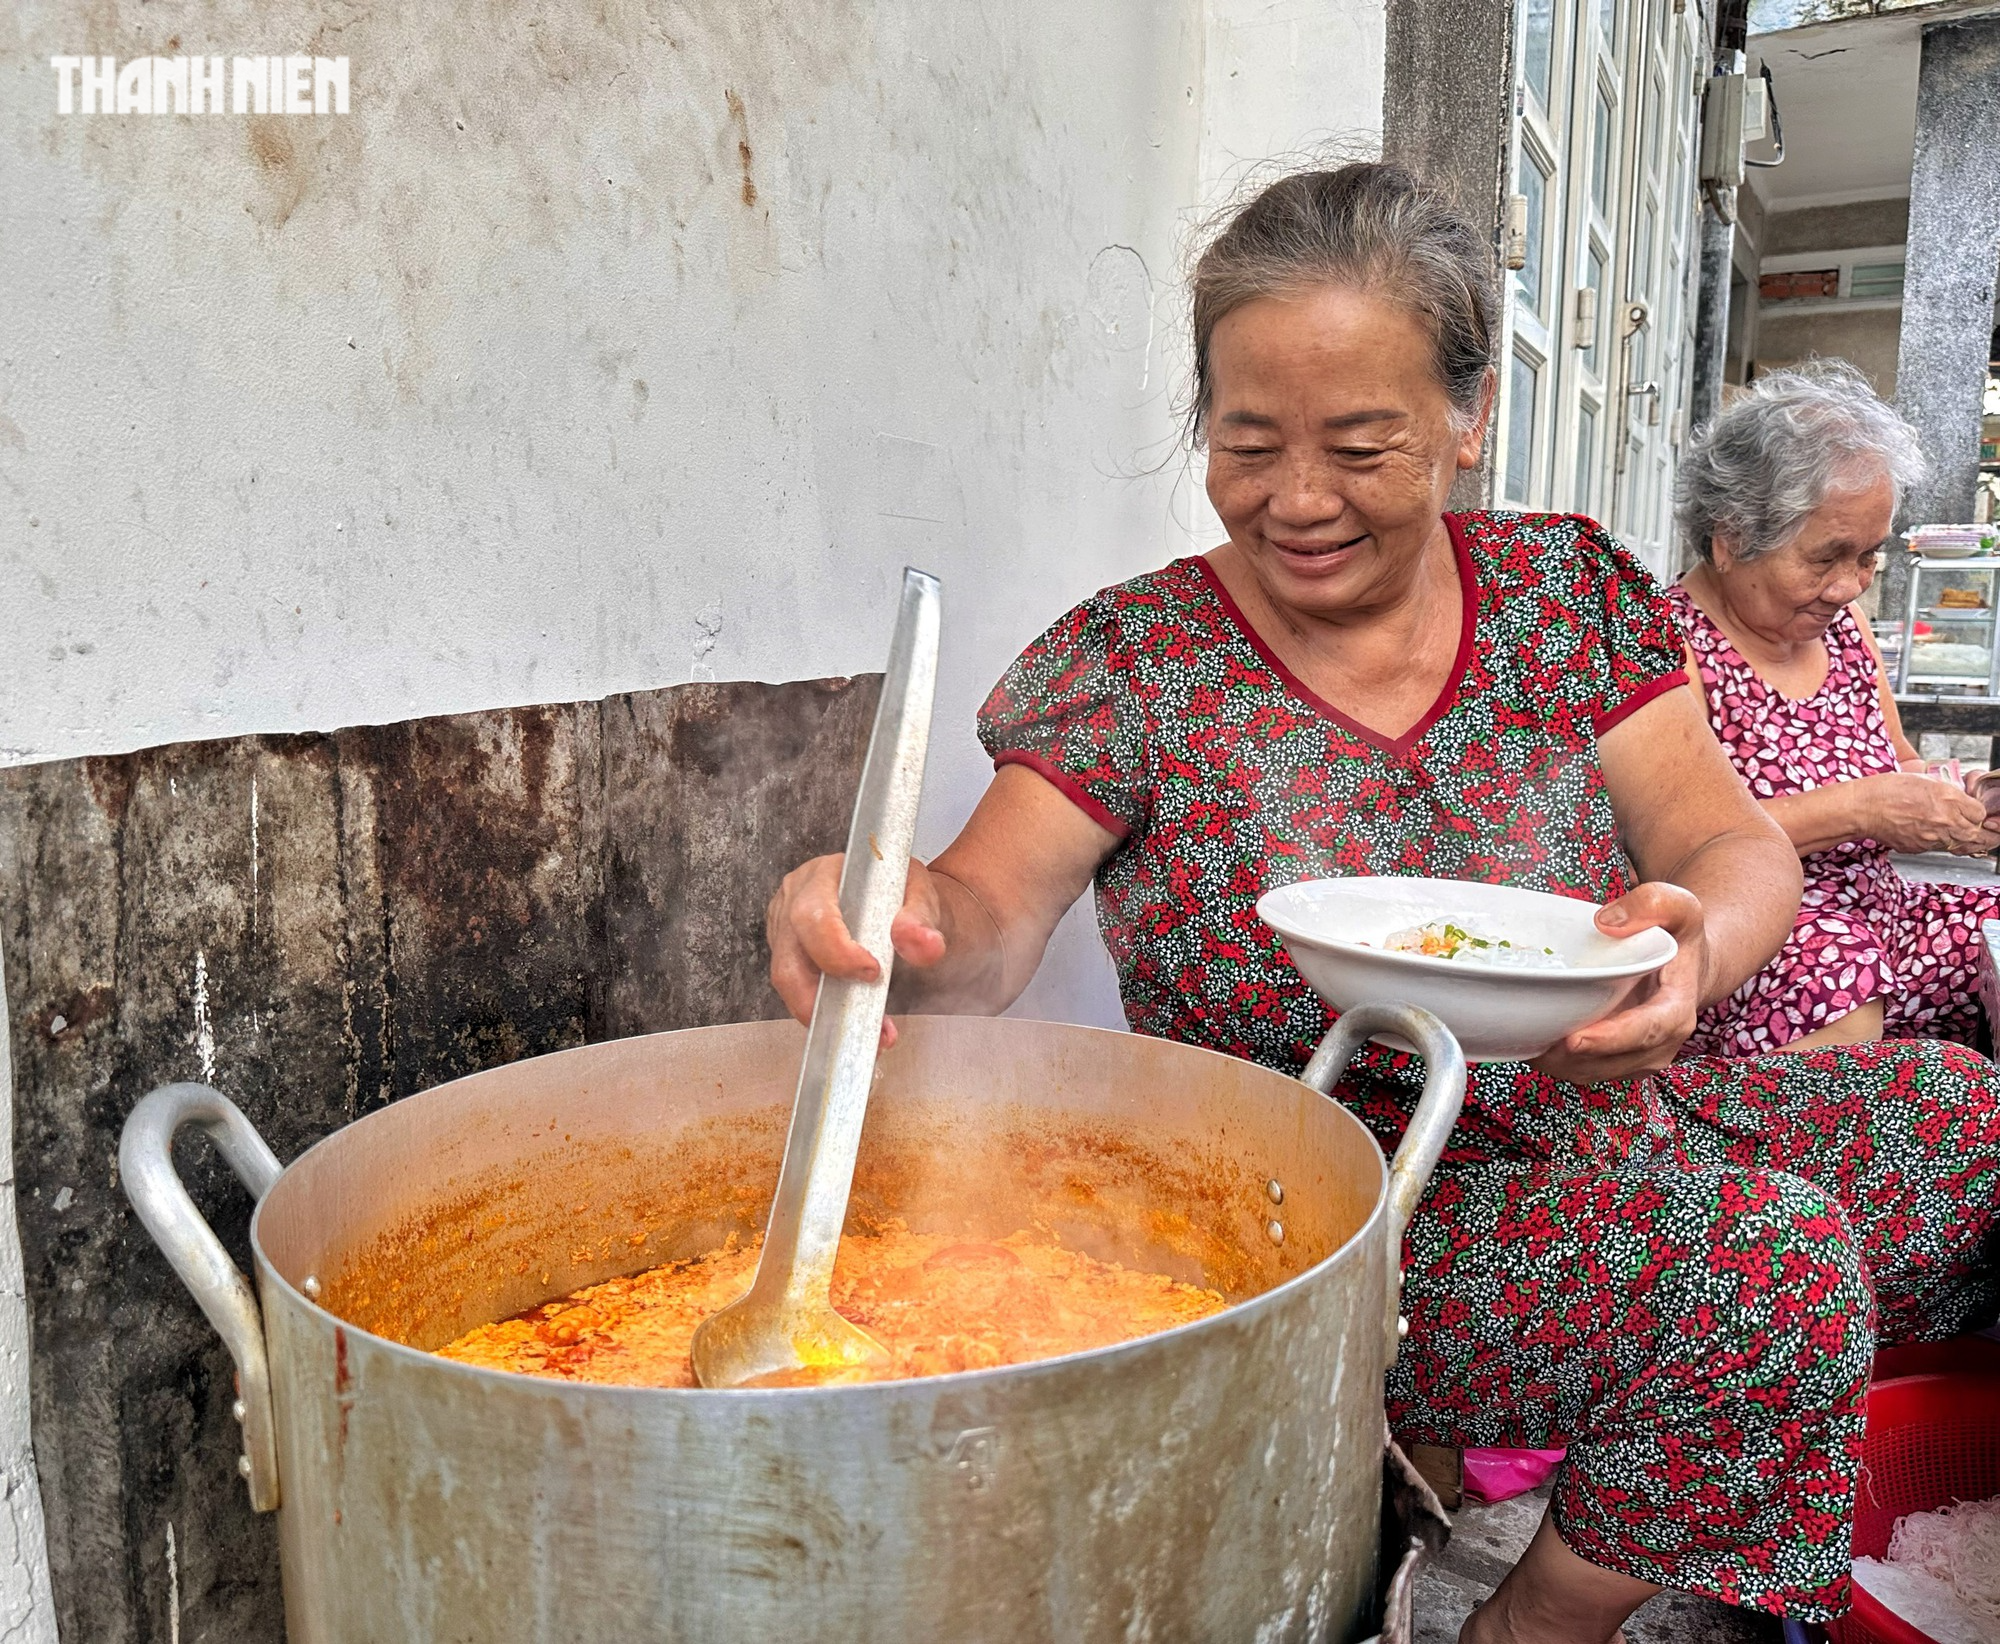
1960, 1546
1943, 1572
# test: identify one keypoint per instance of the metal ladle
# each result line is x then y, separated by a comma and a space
784, 1329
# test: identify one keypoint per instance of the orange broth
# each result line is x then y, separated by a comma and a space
938, 1304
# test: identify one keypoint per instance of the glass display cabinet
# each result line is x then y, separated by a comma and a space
1949, 643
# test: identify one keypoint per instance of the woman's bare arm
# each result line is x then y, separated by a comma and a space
975, 920
1718, 874
1903, 809
1687, 819
1821, 818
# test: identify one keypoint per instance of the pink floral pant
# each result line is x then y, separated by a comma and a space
1913, 946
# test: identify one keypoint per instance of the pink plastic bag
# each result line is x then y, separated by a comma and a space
1500, 1475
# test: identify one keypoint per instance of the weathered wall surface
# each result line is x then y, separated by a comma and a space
1866, 338
1447, 114
597, 349
320, 924
1449, 97
1837, 227
1284, 79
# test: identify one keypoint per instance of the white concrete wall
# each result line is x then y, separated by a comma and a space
601, 348
1288, 81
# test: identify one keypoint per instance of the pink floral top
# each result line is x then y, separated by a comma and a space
1863, 931
1782, 746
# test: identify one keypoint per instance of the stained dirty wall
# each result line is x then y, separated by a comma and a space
599, 349
319, 924
602, 347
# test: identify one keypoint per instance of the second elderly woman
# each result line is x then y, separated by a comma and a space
1785, 499
1666, 1271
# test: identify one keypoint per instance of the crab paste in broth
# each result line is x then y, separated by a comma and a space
937, 1303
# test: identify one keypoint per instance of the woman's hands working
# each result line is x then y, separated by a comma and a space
1905, 810
975, 921
809, 938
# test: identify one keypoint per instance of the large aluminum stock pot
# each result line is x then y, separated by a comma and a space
1218, 1481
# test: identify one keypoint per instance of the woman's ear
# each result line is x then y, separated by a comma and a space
1724, 551
1473, 440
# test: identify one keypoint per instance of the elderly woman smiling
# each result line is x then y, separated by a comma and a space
1787, 497
1663, 1265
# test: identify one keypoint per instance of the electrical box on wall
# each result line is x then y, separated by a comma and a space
1756, 109
1722, 128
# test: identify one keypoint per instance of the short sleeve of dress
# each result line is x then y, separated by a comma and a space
1069, 709
1639, 653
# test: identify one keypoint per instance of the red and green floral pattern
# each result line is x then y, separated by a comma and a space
1669, 1275
1695, 1325
1158, 710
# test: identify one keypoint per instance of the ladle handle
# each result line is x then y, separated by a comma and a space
803, 1233
1430, 1126
146, 1169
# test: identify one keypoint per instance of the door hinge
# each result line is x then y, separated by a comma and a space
1586, 316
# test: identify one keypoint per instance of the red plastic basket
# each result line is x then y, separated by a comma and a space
1962, 1355
1932, 1440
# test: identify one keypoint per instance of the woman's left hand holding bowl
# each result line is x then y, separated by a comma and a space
1650, 1025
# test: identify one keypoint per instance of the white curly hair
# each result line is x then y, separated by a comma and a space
1795, 438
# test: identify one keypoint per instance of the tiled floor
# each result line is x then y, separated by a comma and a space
1485, 1541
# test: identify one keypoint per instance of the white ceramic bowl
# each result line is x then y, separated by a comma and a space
1334, 928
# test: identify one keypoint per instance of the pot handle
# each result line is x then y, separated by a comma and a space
146, 1167
1430, 1126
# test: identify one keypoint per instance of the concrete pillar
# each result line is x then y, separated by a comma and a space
1954, 257
1711, 315
1718, 243
1447, 108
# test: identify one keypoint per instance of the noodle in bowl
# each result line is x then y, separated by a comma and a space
1545, 969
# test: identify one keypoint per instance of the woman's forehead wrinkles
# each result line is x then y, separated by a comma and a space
1348, 419
1345, 419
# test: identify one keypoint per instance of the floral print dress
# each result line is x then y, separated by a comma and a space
1864, 931
1670, 1276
